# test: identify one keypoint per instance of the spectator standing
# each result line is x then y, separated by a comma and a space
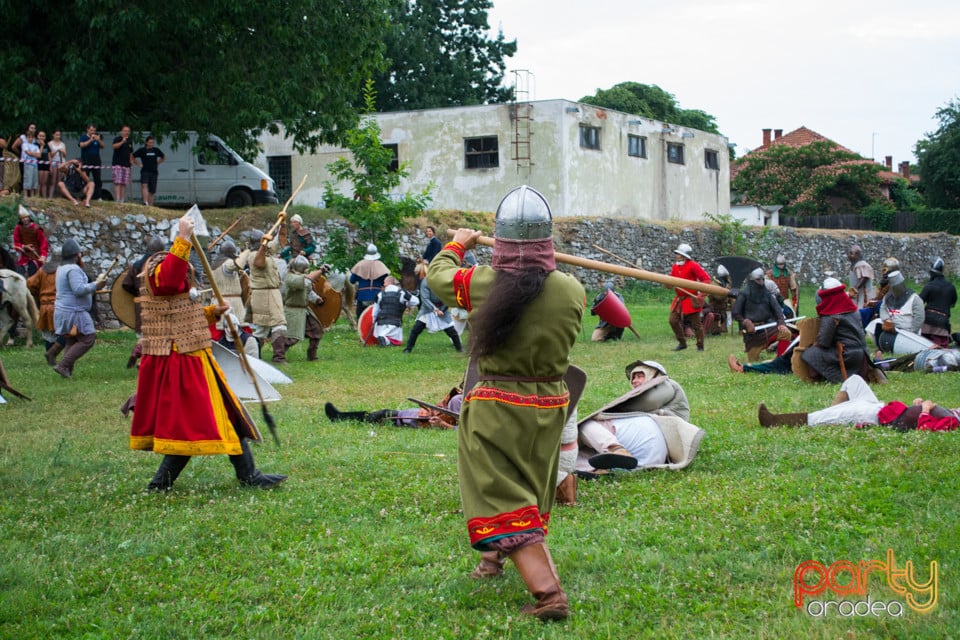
57, 155
122, 158
43, 165
433, 245
90, 144
30, 158
150, 158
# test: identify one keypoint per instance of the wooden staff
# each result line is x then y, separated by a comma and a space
223, 235
614, 256
235, 334
639, 274
282, 216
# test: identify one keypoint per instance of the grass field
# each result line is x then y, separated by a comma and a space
366, 538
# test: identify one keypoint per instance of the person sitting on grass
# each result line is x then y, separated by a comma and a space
856, 404
74, 183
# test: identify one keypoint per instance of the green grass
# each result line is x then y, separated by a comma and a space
366, 539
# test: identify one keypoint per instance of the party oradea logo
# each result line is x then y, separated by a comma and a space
867, 588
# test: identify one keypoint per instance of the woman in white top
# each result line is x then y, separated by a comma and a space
57, 153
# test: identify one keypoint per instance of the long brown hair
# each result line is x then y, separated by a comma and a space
492, 324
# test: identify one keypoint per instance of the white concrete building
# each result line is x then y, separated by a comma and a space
586, 160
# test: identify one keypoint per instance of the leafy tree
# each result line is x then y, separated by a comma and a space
815, 178
939, 156
373, 210
231, 67
439, 55
653, 102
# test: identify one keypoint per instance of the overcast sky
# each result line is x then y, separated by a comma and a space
868, 75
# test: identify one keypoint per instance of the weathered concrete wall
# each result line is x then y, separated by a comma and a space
811, 254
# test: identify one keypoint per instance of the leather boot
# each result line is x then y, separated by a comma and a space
169, 470
52, 353
567, 490
454, 338
753, 354
535, 566
312, 349
418, 328
490, 566
768, 419
381, 415
280, 349
247, 472
339, 416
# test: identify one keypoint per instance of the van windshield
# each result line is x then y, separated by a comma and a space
215, 152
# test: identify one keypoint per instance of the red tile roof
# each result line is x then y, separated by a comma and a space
800, 138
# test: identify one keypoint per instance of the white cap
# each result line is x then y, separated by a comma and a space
296, 218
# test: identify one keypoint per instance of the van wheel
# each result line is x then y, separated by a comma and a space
239, 198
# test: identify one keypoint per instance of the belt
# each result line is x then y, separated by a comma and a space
521, 378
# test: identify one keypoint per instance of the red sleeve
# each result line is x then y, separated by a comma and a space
44, 249
170, 276
700, 273
927, 422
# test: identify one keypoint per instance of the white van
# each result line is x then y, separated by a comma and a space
211, 174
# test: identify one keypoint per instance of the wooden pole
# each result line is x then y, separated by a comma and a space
630, 272
223, 235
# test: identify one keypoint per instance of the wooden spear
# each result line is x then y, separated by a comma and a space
223, 235
639, 274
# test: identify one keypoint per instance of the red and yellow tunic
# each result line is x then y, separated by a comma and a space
183, 406
511, 420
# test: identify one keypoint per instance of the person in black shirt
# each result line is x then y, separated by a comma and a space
122, 157
150, 158
90, 144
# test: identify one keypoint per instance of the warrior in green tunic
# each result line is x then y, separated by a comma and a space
525, 318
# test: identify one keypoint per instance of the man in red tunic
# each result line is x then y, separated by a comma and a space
184, 406
687, 303
31, 242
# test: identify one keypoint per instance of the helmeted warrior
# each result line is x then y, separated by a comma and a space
687, 303
184, 406
900, 310
30, 242
525, 317
234, 285
265, 310
388, 313
71, 310
785, 280
756, 306
940, 296
300, 319
369, 274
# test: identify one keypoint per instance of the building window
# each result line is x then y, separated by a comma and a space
279, 169
674, 153
395, 160
711, 160
481, 153
636, 146
589, 137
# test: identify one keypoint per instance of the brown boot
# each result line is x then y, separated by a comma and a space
535, 566
768, 419
753, 354
567, 490
490, 566
53, 352
312, 349
280, 349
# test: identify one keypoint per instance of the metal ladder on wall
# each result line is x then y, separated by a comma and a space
521, 113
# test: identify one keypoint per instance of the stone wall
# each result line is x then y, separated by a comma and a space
650, 246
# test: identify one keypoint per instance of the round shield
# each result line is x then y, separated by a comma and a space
365, 327
122, 303
327, 312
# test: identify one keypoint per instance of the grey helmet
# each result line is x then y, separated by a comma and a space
937, 266
70, 249
228, 249
155, 245
256, 236
756, 275
524, 214
299, 264
684, 250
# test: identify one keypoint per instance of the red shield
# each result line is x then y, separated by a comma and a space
611, 310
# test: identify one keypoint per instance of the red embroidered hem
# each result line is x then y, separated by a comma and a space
523, 520
518, 399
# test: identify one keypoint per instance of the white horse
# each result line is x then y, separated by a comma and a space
16, 302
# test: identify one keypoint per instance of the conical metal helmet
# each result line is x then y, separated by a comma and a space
524, 214
937, 266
